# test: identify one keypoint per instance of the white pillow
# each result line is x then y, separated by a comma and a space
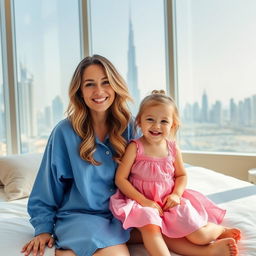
17, 174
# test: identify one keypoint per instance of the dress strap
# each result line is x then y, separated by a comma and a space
172, 148
140, 149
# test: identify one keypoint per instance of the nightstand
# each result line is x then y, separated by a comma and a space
252, 176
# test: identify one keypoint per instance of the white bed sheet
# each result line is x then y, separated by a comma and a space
238, 197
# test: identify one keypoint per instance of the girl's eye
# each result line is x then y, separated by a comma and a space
150, 119
164, 121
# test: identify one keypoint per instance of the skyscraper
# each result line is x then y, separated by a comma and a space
204, 112
132, 73
26, 104
57, 110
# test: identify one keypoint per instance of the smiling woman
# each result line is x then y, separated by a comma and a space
96, 90
78, 167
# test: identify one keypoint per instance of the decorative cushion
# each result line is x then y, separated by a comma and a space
17, 174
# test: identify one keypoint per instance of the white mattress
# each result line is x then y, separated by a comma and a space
238, 197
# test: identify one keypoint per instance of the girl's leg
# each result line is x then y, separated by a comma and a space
231, 233
223, 247
153, 241
212, 232
116, 250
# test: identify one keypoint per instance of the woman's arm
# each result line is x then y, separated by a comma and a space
124, 184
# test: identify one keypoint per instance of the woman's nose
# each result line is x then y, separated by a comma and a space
98, 88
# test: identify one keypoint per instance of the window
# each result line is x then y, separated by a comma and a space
216, 60
48, 51
3, 148
131, 34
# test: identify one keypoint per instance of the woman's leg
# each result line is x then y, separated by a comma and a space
60, 252
153, 241
223, 247
116, 250
211, 232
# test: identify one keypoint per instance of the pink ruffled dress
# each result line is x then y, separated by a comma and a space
154, 177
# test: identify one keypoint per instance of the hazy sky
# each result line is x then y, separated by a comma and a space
216, 48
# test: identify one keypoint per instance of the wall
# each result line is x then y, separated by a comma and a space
232, 165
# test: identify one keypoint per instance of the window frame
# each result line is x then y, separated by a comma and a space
10, 78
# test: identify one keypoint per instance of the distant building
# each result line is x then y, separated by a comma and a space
247, 112
57, 110
26, 103
254, 110
216, 113
132, 72
233, 113
204, 112
187, 113
196, 112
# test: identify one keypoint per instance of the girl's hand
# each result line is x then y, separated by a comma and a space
171, 201
153, 204
37, 244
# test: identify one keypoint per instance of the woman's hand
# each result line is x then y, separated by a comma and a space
171, 201
37, 244
153, 204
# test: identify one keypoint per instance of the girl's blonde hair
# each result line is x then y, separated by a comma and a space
118, 113
155, 98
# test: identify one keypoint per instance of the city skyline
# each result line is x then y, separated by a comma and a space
48, 50
242, 112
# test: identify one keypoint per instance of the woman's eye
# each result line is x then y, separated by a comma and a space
88, 84
105, 82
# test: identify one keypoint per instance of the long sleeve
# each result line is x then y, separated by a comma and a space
51, 182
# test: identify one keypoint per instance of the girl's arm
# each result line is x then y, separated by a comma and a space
180, 175
124, 184
180, 183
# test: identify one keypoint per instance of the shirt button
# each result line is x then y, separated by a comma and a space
107, 152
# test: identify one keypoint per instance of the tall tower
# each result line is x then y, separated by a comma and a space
132, 74
204, 113
26, 103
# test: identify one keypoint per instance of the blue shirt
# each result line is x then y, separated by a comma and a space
67, 184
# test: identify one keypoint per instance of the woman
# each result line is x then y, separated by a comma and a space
71, 193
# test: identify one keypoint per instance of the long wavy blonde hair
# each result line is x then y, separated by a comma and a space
155, 98
118, 113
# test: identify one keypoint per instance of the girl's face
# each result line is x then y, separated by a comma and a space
156, 122
97, 92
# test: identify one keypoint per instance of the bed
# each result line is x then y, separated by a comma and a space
238, 197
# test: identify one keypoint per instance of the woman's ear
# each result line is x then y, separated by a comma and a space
138, 123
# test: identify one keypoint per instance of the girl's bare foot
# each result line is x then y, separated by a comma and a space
231, 233
224, 247
59, 252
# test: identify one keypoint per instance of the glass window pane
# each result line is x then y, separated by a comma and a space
48, 50
3, 148
131, 35
216, 60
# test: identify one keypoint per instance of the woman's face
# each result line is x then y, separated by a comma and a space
97, 92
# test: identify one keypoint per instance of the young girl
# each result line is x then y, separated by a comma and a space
152, 181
